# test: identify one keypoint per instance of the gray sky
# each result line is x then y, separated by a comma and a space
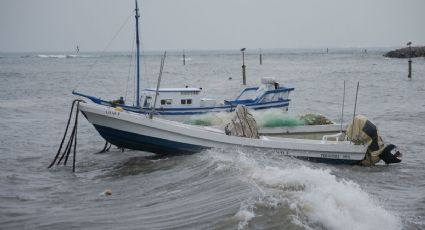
61, 25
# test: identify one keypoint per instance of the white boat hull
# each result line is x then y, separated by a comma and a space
135, 131
314, 132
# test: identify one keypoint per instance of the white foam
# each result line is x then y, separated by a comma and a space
244, 216
60, 56
333, 203
315, 196
51, 56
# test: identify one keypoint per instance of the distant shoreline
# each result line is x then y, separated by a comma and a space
407, 52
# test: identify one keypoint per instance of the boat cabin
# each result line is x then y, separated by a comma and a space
269, 91
171, 97
181, 98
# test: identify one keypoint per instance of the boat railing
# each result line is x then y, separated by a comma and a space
274, 91
237, 102
336, 136
246, 90
94, 99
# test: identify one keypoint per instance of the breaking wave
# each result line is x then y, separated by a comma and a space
59, 56
291, 192
63, 56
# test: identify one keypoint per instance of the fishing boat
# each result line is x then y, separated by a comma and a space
138, 127
136, 130
131, 130
180, 103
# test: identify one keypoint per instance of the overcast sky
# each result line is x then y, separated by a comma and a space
61, 25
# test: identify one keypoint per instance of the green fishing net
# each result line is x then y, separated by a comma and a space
276, 118
267, 118
282, 121
199, 121
315, 119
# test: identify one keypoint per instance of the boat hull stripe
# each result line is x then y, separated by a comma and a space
145, 143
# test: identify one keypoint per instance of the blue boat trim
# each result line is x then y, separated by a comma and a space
259, 98
135, 141
189, 111
176, 90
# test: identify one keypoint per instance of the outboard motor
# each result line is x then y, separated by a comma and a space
363, 131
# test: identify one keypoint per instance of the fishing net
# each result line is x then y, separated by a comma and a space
275, 118
209, 119
270, 122
204, 121
242, 124
265, 118
315, 119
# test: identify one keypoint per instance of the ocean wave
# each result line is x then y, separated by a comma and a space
304, 196
59, 56
51, 56
63, 56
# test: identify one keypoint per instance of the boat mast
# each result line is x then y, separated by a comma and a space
138, 56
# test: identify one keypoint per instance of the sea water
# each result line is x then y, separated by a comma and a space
216, 189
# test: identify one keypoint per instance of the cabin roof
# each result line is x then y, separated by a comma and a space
173, 89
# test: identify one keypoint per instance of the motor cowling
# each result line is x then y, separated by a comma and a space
363, 131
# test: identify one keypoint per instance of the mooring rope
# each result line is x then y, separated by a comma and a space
72, 139
106, 148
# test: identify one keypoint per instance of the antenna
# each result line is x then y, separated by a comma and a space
342, 113
157, 85
354, 113
138, 55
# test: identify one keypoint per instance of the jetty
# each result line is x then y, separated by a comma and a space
407, 52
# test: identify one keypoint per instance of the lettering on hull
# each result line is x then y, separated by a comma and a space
112, 112
329, 155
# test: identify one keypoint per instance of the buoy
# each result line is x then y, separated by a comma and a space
107, 192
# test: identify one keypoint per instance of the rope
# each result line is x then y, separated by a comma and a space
107, 46
106, 147
72, 139
129, 68
64, 135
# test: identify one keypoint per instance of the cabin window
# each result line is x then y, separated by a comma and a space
166, 101
186, 101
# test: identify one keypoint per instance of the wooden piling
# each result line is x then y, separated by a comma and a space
261, 58
243, 75
243, 66
184, 58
